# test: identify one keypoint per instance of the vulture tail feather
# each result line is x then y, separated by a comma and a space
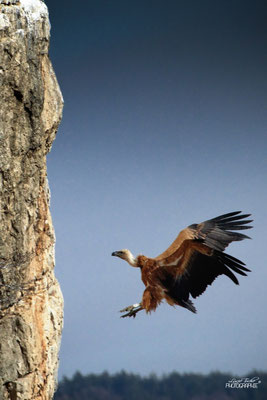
189, 305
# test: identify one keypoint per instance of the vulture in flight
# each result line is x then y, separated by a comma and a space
190, 264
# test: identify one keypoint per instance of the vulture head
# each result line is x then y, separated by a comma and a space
125, 255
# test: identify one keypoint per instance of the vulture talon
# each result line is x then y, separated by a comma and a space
132, 310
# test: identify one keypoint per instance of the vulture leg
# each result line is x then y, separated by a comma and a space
132, 310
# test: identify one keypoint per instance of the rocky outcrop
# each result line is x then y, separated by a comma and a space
30, 298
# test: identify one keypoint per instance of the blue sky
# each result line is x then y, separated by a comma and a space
164, 126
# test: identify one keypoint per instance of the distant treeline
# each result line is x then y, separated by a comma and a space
126, 386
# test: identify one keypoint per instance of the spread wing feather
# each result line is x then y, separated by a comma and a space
203, 270
217, 232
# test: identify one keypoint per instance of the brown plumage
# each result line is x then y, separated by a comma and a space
190, 264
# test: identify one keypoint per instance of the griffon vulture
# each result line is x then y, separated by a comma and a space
190, 264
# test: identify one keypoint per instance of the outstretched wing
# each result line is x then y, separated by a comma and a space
196, 257
216, 233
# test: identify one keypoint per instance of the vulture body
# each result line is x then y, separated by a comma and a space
190, 264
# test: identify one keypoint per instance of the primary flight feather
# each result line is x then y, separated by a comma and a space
190, 264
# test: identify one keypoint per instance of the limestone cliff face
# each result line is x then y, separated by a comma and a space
30, 298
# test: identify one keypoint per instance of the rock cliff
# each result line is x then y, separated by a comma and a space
31, 304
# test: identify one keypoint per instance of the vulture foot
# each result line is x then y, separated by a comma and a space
132, 310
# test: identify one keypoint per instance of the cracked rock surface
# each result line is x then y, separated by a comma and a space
31, 304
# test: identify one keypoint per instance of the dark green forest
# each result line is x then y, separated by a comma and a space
175, 386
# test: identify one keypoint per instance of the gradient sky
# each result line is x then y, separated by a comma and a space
164, 126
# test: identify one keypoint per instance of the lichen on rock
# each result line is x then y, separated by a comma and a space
31, 302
